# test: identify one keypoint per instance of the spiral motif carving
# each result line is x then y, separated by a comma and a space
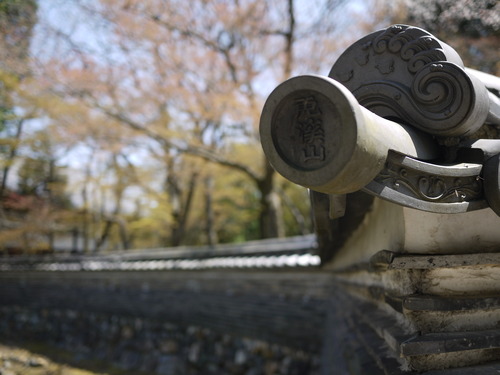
409, 75
444, 95
421, 52
393, 39
417, 47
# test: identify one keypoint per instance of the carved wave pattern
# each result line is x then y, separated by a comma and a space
417, 84
439, 100
416, 46
441, 94
444, 90
431, 188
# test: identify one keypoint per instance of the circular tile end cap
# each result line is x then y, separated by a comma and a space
309, 129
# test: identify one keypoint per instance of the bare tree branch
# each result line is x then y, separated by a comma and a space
199, 151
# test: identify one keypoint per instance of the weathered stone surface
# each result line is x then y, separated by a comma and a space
406, 73
192, 350
314, 133
284, 307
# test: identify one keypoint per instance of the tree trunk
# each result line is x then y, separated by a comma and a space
85, 229
209, 212
74, 241
85, 214
297, 215
181, 209
271, 216
10, 158
104, 236
124, 237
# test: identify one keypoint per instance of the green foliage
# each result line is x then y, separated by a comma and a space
148, 228
17, 18
7, 130
297, 215
16, 9
40, 175
237, 209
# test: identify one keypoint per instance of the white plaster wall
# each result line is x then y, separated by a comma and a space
470, 232
391, 227
381, 229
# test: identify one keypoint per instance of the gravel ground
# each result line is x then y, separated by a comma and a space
18, 361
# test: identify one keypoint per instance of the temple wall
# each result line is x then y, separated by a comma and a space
174, 322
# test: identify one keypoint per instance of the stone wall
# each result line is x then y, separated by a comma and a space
176, 322
152, 347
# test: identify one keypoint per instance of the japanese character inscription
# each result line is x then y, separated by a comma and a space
309, 125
